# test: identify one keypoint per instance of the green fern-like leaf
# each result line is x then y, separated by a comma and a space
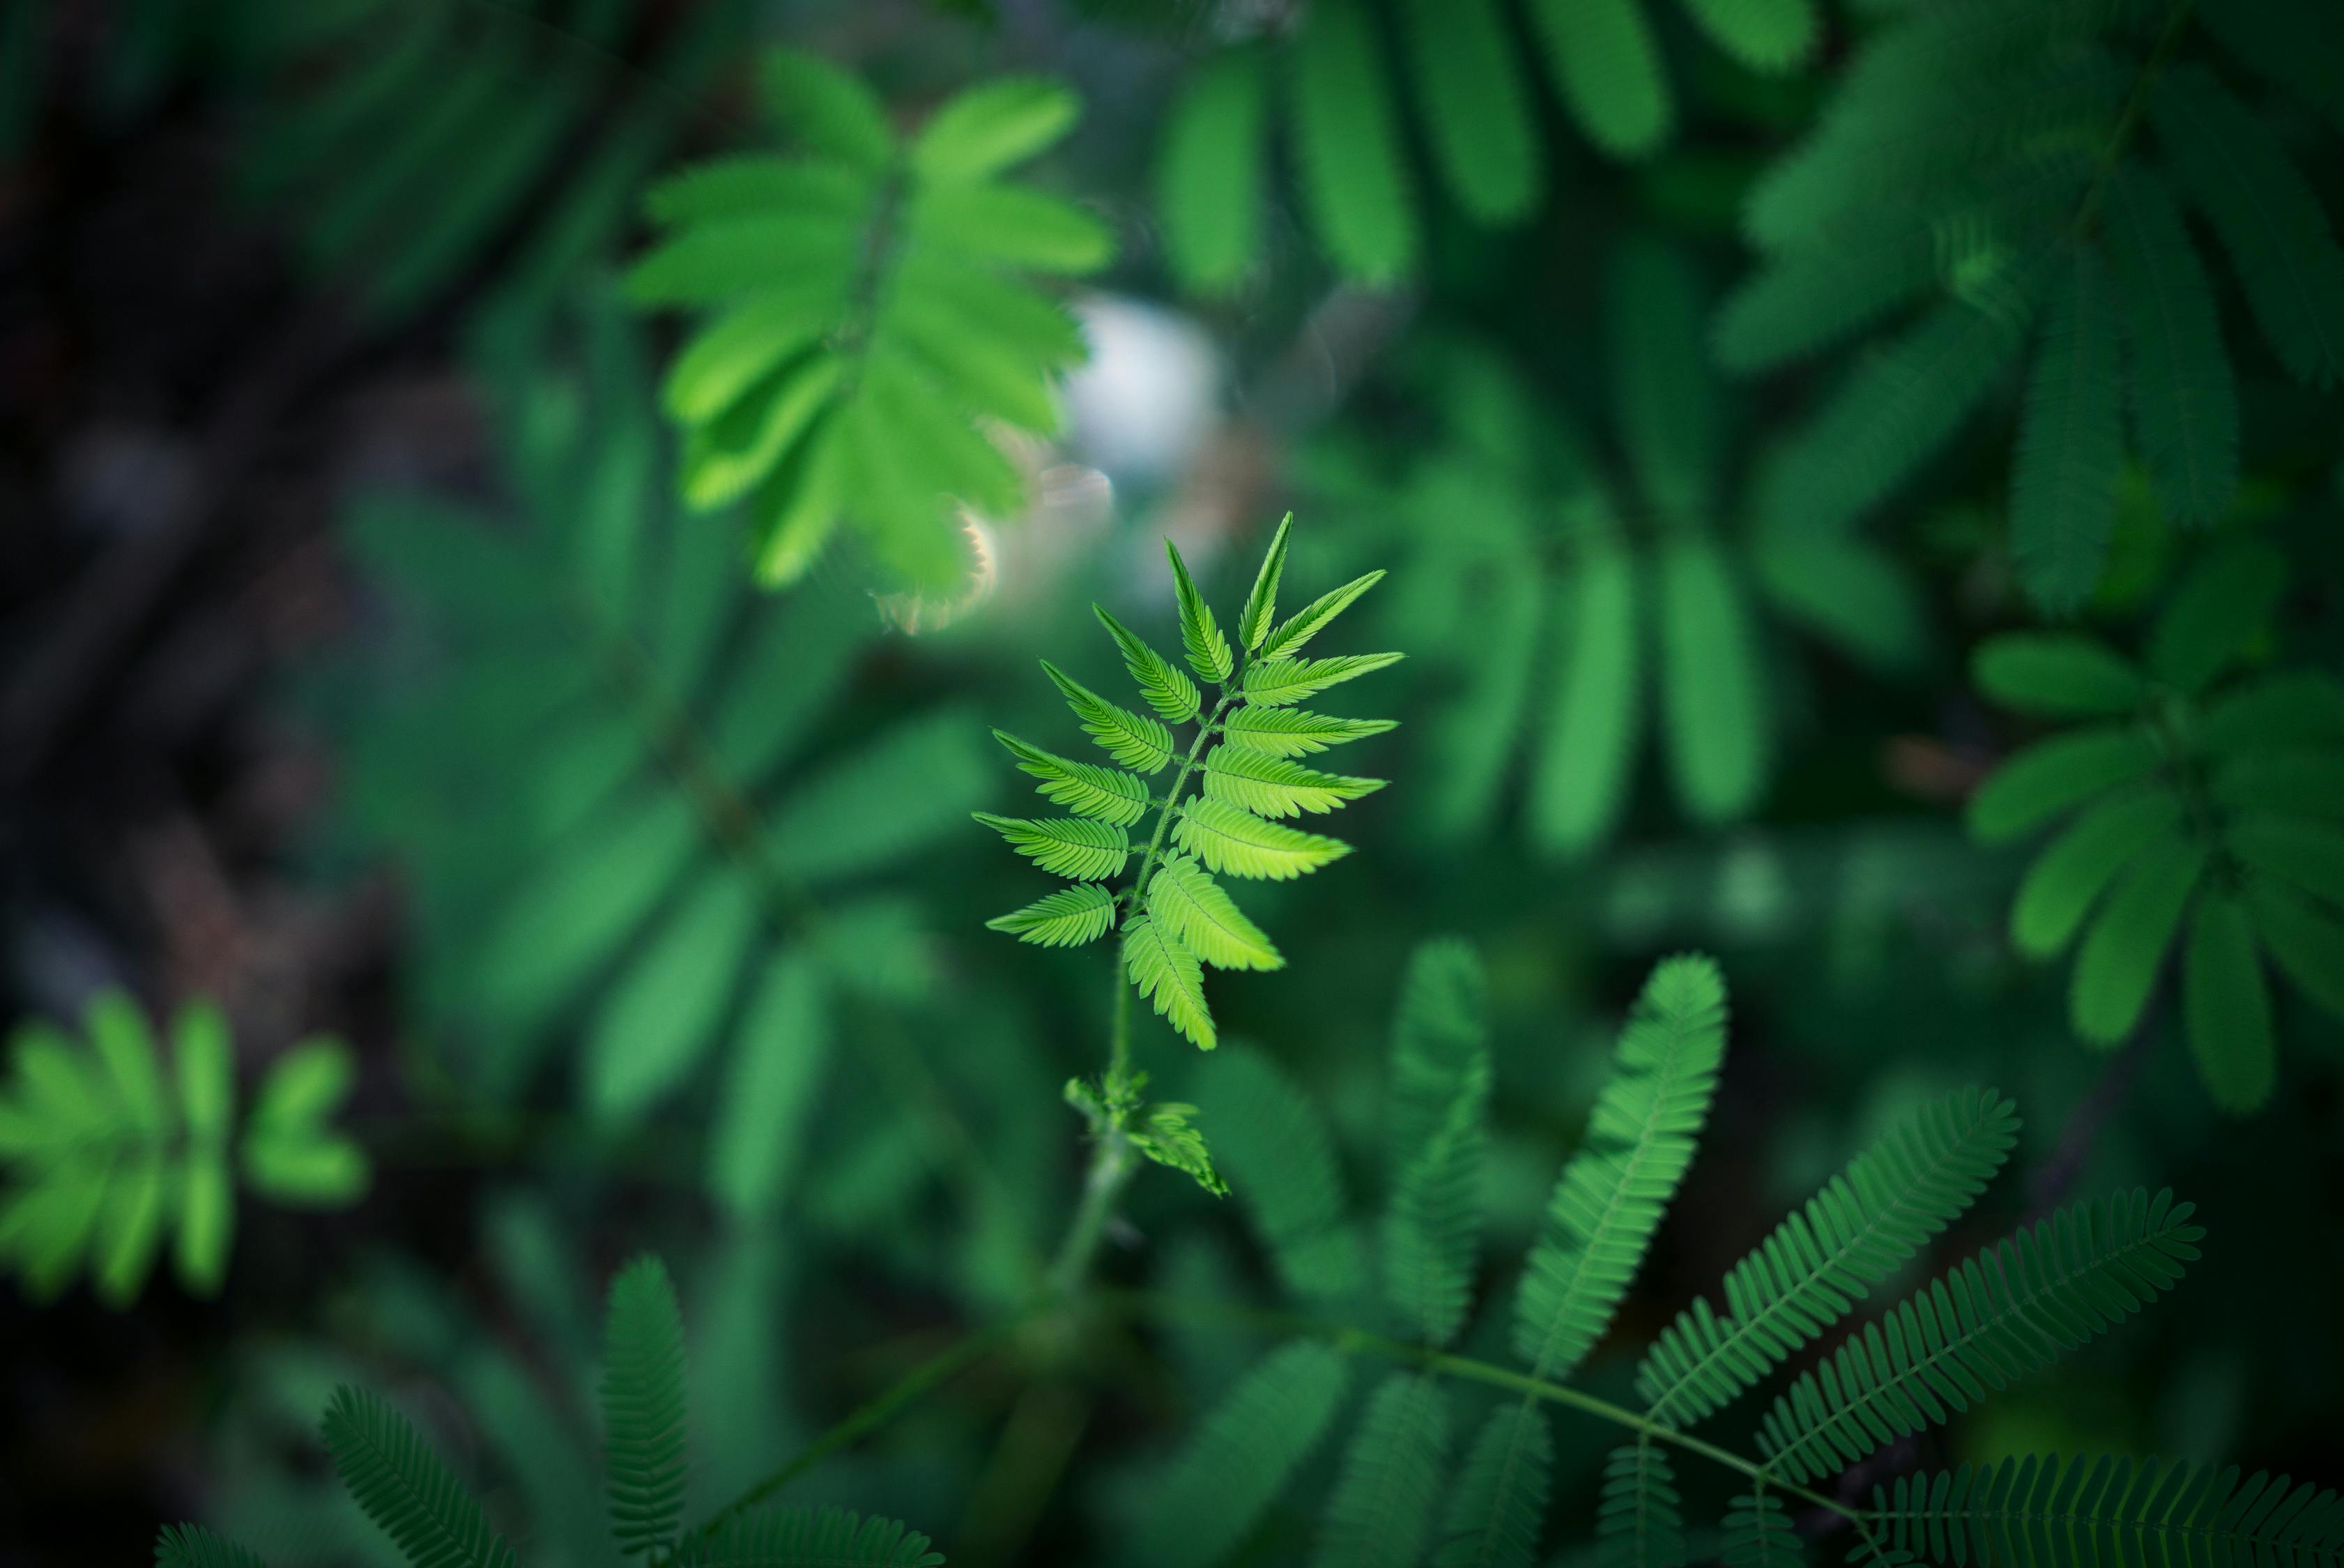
1355, 178
1295, 633
193, 1547
645, 1437
1758, 1533
1276, 1148
110, 1151
1640, 1523
2184, 404
1500, 1502
1439, 1097
1201, 637
2040, 1510
1232, 840
2063, 675
1280, 682
1474, 105
1066, 918
1166, 976
1241, 1456
2068, 877
1105, 795
2055, 775
1209, 170
2071, 445
1858, 1231
826, 395
404, 1487
1071, 846
1640, 1140
2118, 964
1183, 900
1166, 688
801, 1537
2277, 237
1133, 739
1382, 1505
1261, 599
1607, 66
2004, 1313
1267, 785
1293, 732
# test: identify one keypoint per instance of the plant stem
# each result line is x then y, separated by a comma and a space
1111, 1168
871, 1415
1360, 1342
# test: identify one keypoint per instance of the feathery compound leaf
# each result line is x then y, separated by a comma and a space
644, 1434
1066, 918
1232, 840
1580, 780
2063, 490
2184, 404
2008, 1311
1167, 689
1640, 1138
2220, 612
1758, 1533
1307, 622
1132, 739
1433, 1226
801, 1537
1261, 600
1712, 705
1166, 1135
1200, 635
1201, 916
1275, 1145
1500, 1502
2307, 943
1764, 34
993, 127
2040, 1511
1381, 1508
1118, 799
403, 1487
1440, 1102
2068, 877
2228, 1005
1857, 1231
1274, 787
1473, 104
869, 318
193, 1547
1897, 408
1167, 977
2053, 776
1071, 846
1282, 683
1355, 178
1209, 171
1604, 61
1439, 1044
1293, 732
1242, 1457
2059, 674
2117, 965
1640, 1523
2268, 217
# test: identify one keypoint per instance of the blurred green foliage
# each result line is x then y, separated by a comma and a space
1837, 401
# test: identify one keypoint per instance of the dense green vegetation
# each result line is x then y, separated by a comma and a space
1912, 423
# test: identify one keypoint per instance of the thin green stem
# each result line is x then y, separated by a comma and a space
1360, 1342
871, 1415
1111, 1169
2128, 121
